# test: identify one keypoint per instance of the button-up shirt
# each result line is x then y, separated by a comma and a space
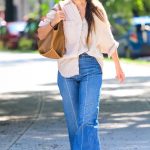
83, 45
75, 30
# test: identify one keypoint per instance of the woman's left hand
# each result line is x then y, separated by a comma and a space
120, 74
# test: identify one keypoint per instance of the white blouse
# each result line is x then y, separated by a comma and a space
75, 30
82, 42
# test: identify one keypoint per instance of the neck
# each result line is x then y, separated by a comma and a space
79, 1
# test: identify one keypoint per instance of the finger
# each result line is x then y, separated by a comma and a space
122, 78
61, 15
60, 12
119, 78
62, 18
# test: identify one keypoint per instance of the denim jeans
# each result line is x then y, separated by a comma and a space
81, 97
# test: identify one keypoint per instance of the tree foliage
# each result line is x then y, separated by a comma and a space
115, 8
126, 8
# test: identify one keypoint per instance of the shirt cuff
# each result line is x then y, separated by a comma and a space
113, 48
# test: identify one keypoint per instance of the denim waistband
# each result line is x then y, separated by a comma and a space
84, 55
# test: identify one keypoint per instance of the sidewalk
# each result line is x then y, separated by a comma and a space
31, 113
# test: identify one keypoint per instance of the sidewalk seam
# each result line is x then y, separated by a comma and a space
32, 122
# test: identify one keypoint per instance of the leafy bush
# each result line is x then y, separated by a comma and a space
1, 45
25, 43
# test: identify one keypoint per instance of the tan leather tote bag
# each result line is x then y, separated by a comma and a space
53, 45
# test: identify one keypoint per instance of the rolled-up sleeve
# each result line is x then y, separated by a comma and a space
113, 48
49, 16
113, 44
106, 40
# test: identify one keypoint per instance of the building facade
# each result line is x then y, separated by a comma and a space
2, 9
16, 10
22, 8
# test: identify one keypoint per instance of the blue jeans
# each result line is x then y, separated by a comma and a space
81, 97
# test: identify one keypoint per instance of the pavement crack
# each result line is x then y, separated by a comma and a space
20, 135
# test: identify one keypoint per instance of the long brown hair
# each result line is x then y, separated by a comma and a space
90, 9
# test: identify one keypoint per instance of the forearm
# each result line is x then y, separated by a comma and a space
44, 30
119, 72
115, 58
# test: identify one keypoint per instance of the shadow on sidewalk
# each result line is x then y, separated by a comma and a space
38, 116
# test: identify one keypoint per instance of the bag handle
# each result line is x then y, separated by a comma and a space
59, 8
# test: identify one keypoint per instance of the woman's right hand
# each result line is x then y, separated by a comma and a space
58, 17
43, 31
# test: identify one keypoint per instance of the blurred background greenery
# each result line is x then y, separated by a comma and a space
130, 20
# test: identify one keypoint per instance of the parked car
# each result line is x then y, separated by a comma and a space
137, 40
11, 33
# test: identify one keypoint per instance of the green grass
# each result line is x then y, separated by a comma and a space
133, 61
19, 51
125, 60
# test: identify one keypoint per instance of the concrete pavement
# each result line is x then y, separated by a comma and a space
31, 112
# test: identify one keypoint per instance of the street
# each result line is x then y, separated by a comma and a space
31, 112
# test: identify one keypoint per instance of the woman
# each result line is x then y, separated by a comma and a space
87, 36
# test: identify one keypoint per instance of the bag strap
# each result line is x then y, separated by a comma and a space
59, 8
